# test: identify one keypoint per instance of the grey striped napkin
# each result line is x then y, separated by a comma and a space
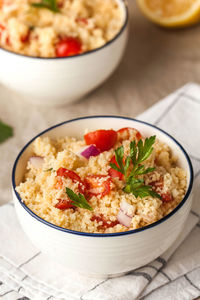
26, 273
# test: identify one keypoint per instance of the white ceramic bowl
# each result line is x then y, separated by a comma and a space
57, 81
103, 254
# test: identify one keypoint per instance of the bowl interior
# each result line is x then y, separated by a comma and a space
76, 128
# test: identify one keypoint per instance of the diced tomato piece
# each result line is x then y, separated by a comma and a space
109, 224
82, 20
97, 218
114, 173
25, 38
167, 197
68, 46
127, 132
68, 173
104, 140
64, 204
8, 41
2, 28
59, 184
74, 177
105, 223
157, 186
98, 185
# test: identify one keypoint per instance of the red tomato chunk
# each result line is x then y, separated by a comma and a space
157, 186
97, 185
25, 38
127, 132
64, 204
105, 223
59, 184
68, 46
104, 140
82, 20
74, 177
114, 173
167, 197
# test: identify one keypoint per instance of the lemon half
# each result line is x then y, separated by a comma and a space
171, 13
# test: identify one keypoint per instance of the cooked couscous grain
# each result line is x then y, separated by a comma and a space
44, 186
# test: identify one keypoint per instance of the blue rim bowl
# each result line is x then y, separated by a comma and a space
104, 234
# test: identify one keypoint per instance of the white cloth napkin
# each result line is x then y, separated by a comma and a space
26, 273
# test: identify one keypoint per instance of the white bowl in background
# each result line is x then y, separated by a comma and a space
108, 254
57, 81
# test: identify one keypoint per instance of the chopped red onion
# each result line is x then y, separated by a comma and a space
125, 214
90, 151
36, 161
124, 219
127, 209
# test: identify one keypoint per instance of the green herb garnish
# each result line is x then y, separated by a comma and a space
138, 153
6, 132
49, 4
48, 170
78, 200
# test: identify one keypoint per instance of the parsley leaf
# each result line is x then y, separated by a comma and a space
133, 152
49, 4
78, 200
138, 153
145, 150
119, 155
6, 132
141, 190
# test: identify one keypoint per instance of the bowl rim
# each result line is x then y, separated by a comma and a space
88, 234
81, 54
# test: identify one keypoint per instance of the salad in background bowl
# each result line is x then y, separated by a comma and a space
58, 28
111, 201
60, 50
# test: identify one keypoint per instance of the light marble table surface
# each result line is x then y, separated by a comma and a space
156, 62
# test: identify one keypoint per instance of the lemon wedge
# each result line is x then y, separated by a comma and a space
171, 13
